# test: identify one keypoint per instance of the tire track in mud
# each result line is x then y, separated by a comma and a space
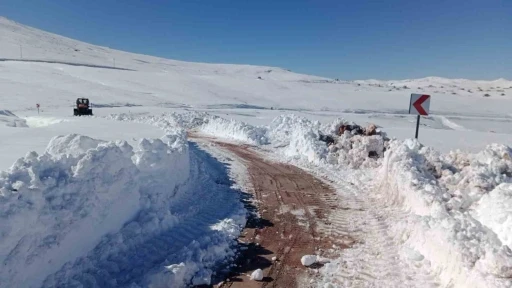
292, 205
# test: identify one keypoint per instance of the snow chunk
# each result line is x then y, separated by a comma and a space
308, 260
230, 226
257, 275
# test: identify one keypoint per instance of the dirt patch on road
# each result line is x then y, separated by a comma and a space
291, 204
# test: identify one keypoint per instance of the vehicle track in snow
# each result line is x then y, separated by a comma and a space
303, 214
374, 260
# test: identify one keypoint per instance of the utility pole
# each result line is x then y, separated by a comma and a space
21, 52
114, 62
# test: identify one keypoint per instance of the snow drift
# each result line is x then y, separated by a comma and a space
9, 119
236, 130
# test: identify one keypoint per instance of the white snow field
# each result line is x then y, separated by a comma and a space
112, 200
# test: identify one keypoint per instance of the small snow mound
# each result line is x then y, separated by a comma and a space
7, 113
298, 136
37, 121
72, 144
257, 275
357, 151
333, 127
308, 260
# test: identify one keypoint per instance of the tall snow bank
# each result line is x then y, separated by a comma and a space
57, 206
54, 209
236, 130
462, 250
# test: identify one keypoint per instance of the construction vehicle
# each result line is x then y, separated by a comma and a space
82, 107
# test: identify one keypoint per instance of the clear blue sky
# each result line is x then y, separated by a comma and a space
382, 39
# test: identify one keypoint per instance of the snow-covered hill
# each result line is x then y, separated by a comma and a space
153, 81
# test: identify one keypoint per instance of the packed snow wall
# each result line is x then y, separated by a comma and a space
440, 192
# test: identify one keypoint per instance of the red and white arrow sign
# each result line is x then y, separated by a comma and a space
420, 104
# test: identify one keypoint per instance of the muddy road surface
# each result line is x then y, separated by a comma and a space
291, 205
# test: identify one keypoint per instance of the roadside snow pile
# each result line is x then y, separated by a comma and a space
473, 175
300, 139
11, 120
166, 121
495, 212
56, 208
440, 229
357, 151
236, 130
72, 144
103, 214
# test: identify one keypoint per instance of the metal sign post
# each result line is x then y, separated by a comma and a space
419, 105
37, 105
